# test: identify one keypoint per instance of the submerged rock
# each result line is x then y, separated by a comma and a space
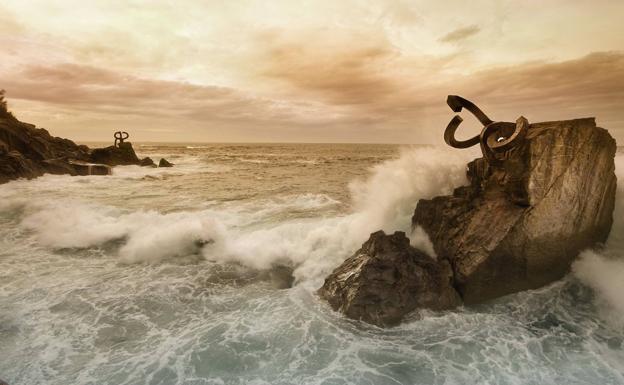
521, 222
387, 279
85, 168
164, 163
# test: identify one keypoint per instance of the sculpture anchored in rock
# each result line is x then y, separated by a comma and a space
496, 138
120, 136
540, 194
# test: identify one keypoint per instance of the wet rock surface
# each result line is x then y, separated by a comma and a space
521, 222
387, 279
164, 163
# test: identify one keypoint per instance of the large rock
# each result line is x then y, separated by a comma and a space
387, 279
122, 155
521, 222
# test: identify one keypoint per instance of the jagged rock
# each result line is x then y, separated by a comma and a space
13, 165
28, 152
147, 162
387, 279
520, 223
115, 156
164, 163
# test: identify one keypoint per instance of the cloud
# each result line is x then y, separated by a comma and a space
338, 68
94, 89
365, 90
380, 85
460, 34
592, 86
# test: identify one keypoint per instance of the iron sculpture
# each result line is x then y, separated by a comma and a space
120, 136
495, 139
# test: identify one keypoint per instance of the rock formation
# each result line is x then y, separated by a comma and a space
386, 279
29, 152
541, 193
147, 162
122, 155
164, 163
521, 222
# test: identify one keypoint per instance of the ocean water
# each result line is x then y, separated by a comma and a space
172, 276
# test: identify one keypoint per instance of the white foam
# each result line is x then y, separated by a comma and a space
604, 271
605, 276
385, 200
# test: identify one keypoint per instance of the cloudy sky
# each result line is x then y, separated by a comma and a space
306, 71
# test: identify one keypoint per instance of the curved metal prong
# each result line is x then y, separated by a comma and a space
449, 135
456, 103
499, 141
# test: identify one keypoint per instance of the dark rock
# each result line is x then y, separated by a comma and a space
387, 279
147, 162
521, 222
164, 163
122, 155
84, 168
14, 165
29, 152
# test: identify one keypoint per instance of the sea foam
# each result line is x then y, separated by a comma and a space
384, 200
603, 270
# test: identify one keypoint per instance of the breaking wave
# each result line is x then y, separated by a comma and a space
603, 270
384, 200
82, 302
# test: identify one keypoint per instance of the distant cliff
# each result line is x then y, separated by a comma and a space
29, 152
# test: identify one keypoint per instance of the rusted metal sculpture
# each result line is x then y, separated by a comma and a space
496, 138
120, 136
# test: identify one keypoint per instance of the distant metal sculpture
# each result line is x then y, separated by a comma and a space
120, 136
495, 138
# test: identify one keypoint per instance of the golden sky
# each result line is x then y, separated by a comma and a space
306, 71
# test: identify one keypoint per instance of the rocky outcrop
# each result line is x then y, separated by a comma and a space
164, 163
522, 221
29, 152
386, 279
121, 155
147, 162
527, 212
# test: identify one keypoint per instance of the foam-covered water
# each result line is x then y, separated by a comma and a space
164, 276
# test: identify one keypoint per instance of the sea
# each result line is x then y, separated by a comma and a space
206, 273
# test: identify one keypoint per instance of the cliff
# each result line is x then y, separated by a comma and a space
29, 152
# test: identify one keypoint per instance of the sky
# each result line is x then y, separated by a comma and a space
375, 71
